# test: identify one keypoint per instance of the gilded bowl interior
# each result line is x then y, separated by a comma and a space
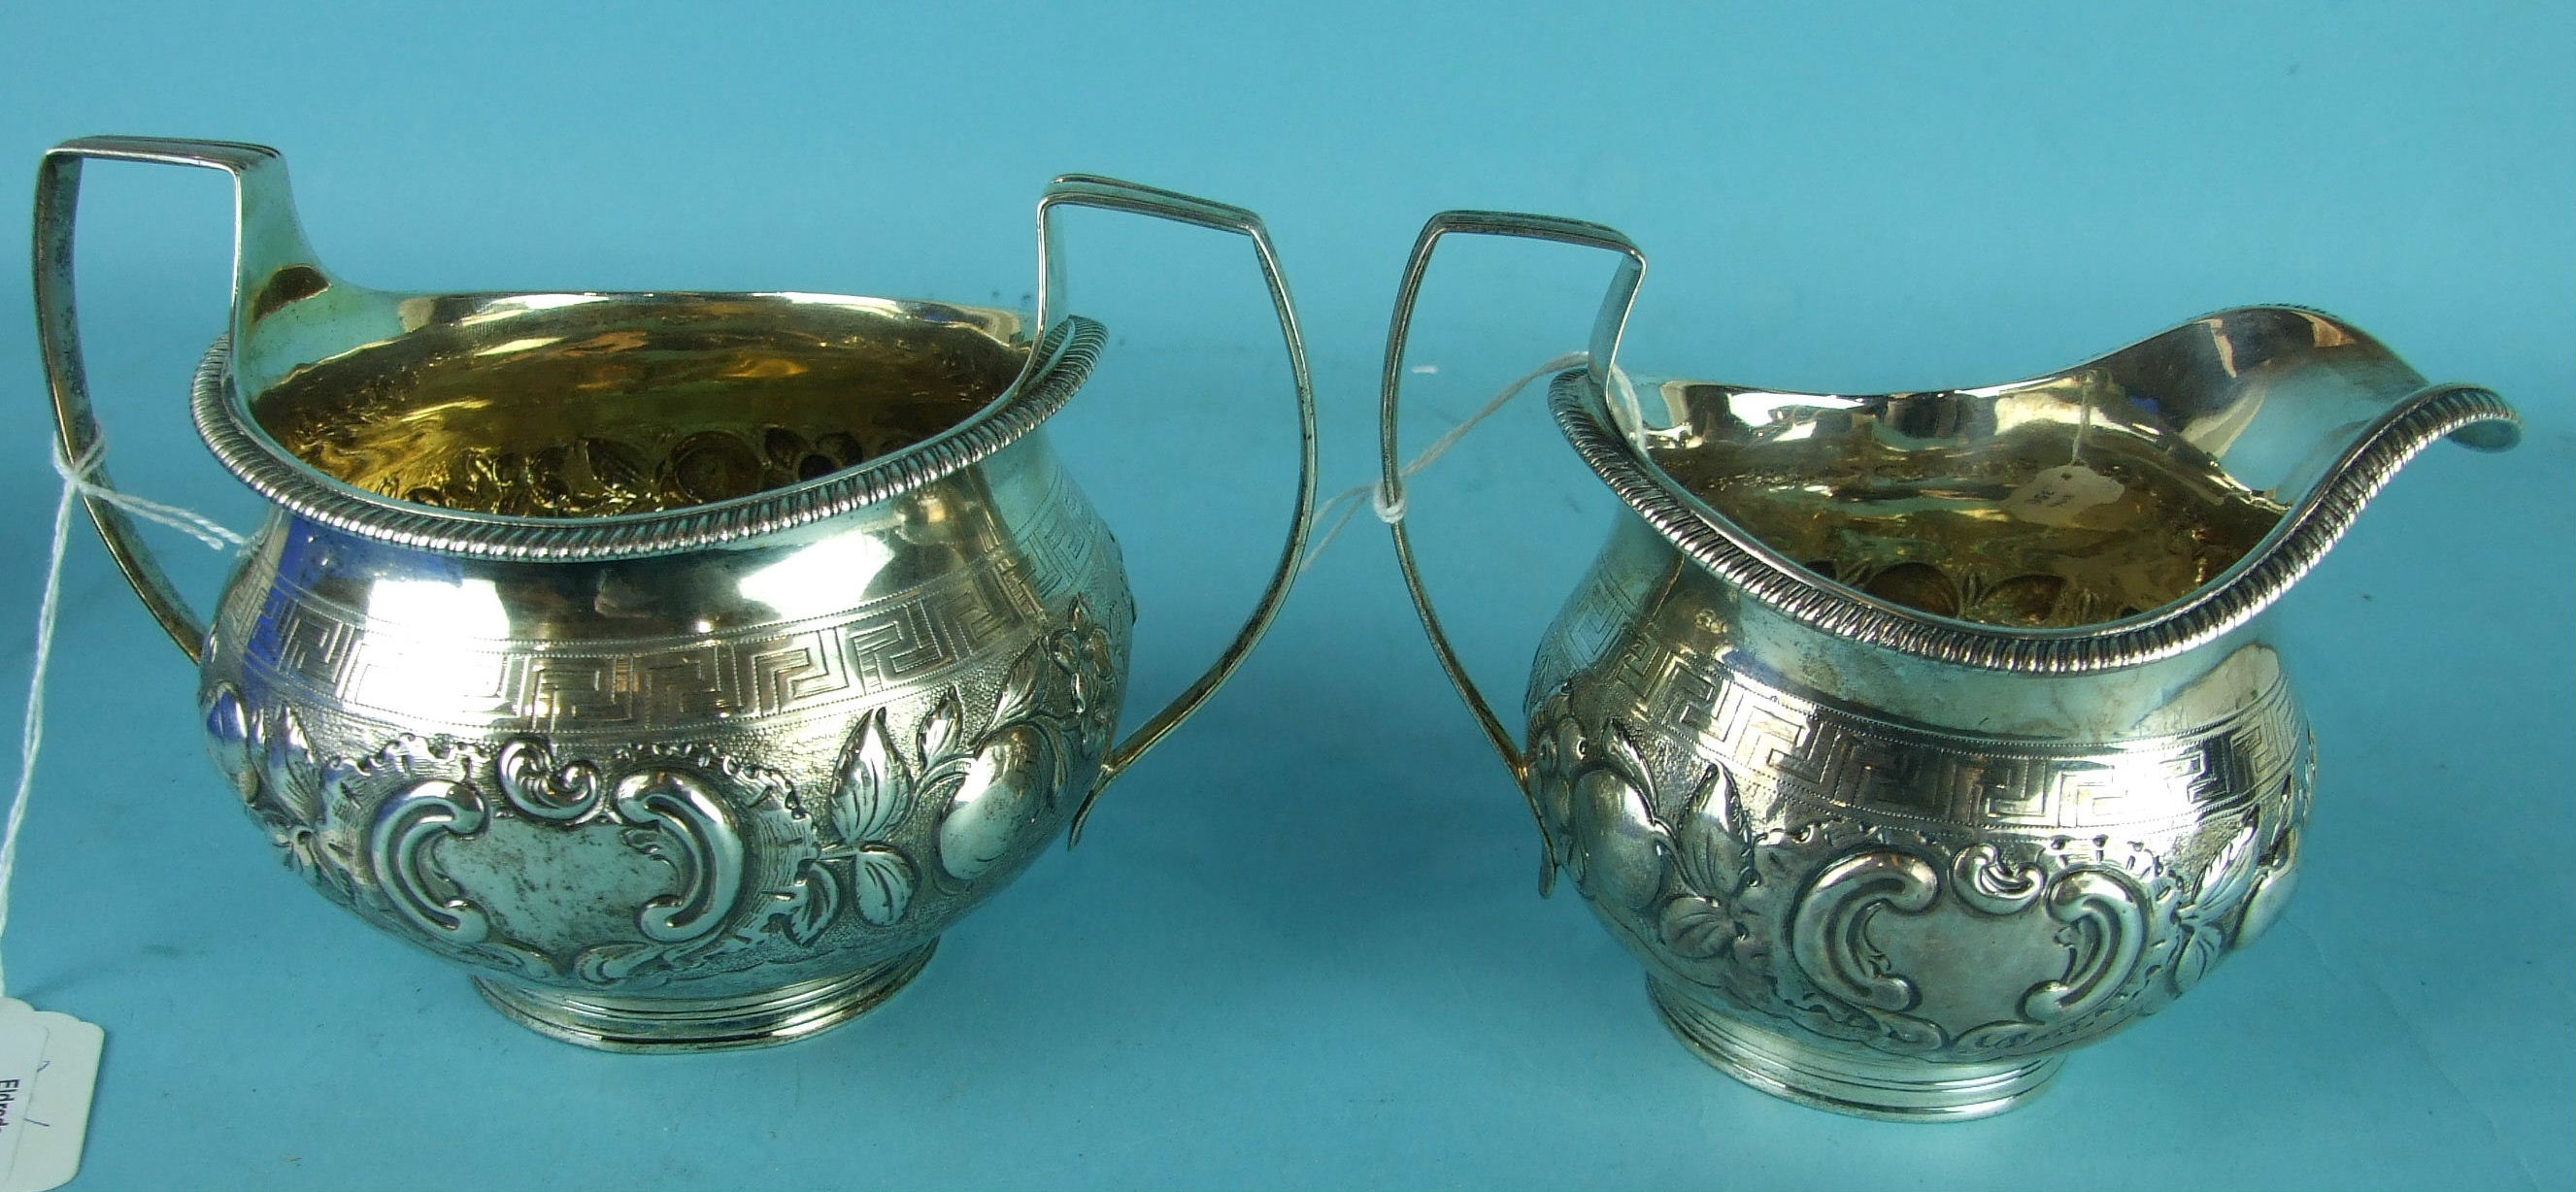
598, 405
2088, 496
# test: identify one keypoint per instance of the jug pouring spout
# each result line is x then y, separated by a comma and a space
2122, 511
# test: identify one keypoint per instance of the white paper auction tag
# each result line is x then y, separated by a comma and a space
48, 1068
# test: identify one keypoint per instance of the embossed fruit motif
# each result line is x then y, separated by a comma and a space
692, 861
1893, 936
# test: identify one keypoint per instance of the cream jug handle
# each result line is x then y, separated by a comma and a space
1081, 190
1606, 332
270, 261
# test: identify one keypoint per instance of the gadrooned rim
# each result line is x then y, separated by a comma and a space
2280, 560
1070, 351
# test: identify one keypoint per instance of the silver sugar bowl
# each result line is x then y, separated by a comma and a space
681, 665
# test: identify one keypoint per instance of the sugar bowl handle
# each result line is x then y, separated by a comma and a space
1083, 190
269, 248
1607, 329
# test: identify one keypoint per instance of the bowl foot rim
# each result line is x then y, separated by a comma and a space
1883, 1087
663, 1024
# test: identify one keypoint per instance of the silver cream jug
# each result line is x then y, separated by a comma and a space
681, 665
1914, 740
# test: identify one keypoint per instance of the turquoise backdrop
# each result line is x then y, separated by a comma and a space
1300, 946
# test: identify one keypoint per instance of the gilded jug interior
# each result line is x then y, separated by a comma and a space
584, 405
2089, 496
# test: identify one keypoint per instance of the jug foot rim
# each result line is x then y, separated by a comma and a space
647, 1024
1891, 1089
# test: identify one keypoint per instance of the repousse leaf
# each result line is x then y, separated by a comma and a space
883, 889
875, 789
812, 904
940, 729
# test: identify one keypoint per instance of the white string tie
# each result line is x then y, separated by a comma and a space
1344, 505
77, 483
76, 477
